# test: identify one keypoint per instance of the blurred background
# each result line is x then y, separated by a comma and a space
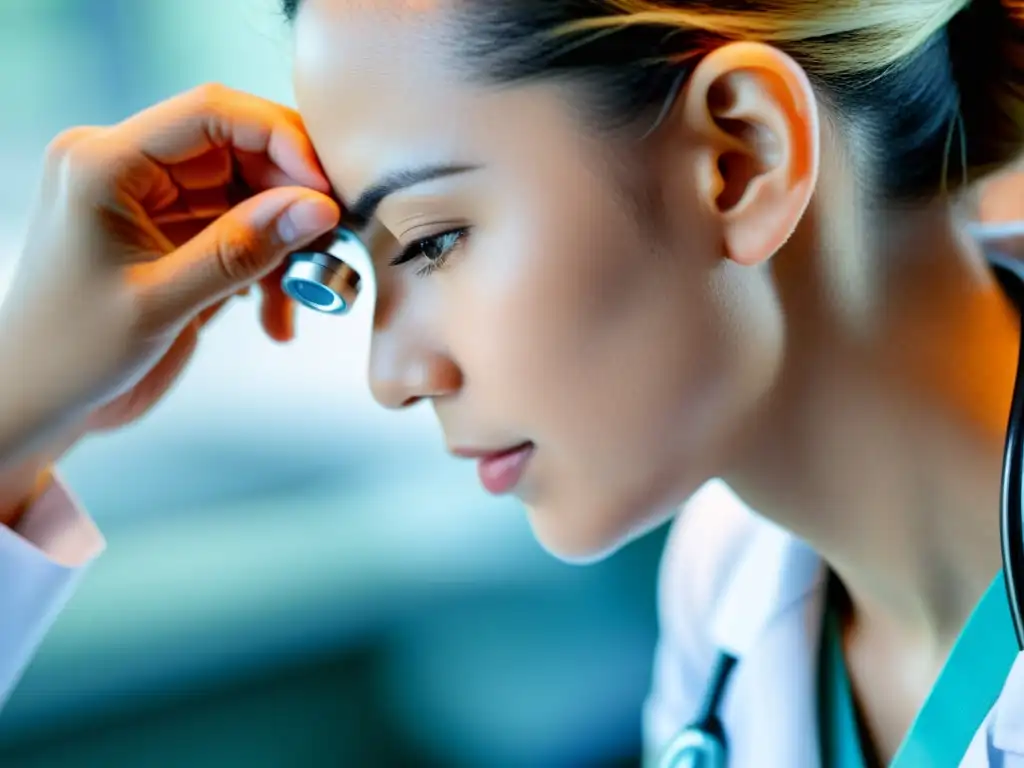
294, 577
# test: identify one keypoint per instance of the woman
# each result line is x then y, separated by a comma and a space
622, 247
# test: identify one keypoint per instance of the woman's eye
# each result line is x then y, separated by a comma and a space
434, 250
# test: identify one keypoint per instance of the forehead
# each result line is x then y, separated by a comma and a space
378, 90
375, 86
368, 33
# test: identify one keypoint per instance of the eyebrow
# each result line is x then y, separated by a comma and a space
358, 214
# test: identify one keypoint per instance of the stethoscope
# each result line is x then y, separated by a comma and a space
322, 279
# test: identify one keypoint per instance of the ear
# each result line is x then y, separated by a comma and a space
754, 116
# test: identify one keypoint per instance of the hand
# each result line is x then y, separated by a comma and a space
142, 231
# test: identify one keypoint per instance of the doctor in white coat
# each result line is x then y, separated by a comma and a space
717, 243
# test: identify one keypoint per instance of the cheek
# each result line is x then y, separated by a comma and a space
535, 311
629, 361
650, 411
588, 338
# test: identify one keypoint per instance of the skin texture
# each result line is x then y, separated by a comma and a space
726, 299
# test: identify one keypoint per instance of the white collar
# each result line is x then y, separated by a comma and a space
775, 570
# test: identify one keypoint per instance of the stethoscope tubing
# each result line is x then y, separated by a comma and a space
1011, 516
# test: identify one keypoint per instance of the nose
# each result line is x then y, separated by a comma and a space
404, 371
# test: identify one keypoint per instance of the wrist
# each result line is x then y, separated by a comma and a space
23, 481
36, 425
20, 489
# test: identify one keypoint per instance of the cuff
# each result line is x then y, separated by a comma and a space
56, 527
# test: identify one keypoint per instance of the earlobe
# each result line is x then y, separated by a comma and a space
755, 114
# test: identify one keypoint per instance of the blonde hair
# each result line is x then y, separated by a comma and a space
877, 34
858, 42
937, 86
934, 88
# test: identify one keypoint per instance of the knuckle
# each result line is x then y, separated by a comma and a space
69, 154
211, 102
63, 142
210, 96
87, 169
238, 253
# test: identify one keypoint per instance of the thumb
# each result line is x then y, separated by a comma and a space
241, 246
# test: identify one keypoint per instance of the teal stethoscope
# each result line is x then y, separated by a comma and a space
322, 279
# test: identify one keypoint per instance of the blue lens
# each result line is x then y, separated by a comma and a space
313, 294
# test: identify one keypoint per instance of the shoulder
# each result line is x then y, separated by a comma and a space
713, 534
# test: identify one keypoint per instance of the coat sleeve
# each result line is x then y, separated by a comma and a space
41, 562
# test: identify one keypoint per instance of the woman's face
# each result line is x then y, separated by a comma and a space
582, 306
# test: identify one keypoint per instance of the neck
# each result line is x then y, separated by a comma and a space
883, 445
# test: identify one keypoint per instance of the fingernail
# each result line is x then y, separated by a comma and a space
306, 218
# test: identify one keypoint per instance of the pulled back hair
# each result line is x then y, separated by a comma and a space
932, 89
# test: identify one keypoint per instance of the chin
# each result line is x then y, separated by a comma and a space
584, 539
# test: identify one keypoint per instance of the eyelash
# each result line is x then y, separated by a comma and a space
448, 241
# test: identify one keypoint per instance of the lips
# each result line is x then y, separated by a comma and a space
500, 471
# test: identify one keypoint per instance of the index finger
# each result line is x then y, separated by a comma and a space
213, 116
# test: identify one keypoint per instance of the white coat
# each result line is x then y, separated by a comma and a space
40, 565
732, 580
